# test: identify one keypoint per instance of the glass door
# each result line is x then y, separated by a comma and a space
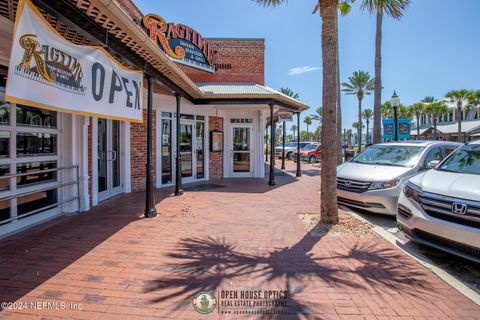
241, 165
109, 162
186, 150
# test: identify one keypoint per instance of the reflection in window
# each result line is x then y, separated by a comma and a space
32, 144
4, 112
36, 176
34, 117
36, 201
4, 183
4, 144
4, 210
200, 148
166, 151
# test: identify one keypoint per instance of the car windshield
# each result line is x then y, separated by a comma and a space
290, 144
402, 156
465, 160
303, 144
310, 147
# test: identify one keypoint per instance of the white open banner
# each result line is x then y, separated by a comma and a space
47, 71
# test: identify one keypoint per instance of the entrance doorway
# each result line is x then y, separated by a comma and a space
109, 180
192, 146
241, 154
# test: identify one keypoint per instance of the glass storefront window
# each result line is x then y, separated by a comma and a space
4, 210
4, 183
32, 202
34, 117
166, 151
200, 148
4, 144
4, 106
36, 176
36, 144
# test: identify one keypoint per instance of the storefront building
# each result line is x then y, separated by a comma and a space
64, 156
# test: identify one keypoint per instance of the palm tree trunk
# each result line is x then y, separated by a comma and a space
459, 121
434, 128
418, 126
359, 131
366, 142
328, 196
377, 94
339, 105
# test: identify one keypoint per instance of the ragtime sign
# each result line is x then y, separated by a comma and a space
181, 43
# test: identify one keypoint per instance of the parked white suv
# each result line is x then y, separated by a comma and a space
441, 208
373, 180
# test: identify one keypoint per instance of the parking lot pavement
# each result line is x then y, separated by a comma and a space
467, 272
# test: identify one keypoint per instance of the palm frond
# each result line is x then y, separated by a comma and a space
270, 3
392, 8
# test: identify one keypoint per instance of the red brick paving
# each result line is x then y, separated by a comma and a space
245, 236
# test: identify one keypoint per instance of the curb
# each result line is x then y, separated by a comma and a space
424, 261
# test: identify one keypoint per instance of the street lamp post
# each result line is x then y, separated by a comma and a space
395, 102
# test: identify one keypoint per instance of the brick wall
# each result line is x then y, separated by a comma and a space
215, 165
237, 60
138, 151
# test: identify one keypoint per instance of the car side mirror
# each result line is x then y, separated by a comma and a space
432, 164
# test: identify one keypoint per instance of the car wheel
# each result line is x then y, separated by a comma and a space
312, 159
289, 156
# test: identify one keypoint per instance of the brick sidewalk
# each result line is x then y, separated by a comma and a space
243, 236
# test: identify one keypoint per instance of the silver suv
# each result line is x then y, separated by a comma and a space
441, 208
373, 179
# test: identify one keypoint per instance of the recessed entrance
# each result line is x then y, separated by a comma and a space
109, 179
192, 150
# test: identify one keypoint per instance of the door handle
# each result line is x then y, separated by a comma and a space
114, 155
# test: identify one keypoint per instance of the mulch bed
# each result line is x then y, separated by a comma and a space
348, 226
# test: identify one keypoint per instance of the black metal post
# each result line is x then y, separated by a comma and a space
150, 211
272, 148
266, 143
274, 142
178, 162
395, 120
283, 146
299, 168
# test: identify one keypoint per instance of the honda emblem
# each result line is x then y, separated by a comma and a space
459, 208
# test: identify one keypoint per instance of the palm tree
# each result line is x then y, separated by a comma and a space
290, 93
386, 110
458, 97
367, 115
428, 99
318, 114
436, 110
360, 84
329, 40
293, 128
308, 121
418, 109
394, 9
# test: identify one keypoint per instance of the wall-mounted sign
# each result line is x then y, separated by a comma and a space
181, 43
285, 116
49, 72
216, 141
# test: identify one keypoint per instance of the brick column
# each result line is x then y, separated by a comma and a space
215, 164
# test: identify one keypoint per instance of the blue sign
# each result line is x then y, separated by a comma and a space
388, 129
403, 129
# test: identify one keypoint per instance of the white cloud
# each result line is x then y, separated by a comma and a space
301, 70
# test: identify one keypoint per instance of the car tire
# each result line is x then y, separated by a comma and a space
290, 156
312, 159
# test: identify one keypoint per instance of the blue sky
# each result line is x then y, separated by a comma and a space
433, 49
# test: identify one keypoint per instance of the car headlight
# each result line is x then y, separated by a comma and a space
383, 185
412, 191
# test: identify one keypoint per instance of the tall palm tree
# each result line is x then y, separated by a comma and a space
428, 99
289, 92
436, 110
418, 109
329, 39
386, 110
360, 84
318, 114
394, 9
308, 121
367, 115
458, 97
293, 128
